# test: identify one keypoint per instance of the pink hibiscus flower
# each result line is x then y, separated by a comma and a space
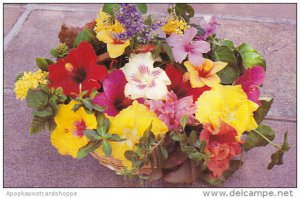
183, 46
113, 97
250, 81
171, 110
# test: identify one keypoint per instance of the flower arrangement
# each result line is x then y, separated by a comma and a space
180, 105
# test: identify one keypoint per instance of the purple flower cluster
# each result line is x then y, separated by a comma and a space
132, 21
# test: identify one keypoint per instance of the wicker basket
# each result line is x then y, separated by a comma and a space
117, 166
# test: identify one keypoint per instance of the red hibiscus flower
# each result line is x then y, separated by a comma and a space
182, 86
250, 81
222, 146
113, 97
78, 71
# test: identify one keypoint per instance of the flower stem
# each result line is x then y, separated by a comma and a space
267, 139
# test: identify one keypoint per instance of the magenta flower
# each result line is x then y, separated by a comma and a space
183, 45
171, 110
250, 81
113, 97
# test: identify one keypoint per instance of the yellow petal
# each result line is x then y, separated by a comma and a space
211, 80
105, 36
116, 50
217, 66
193, 75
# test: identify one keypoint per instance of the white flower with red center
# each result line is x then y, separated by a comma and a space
145, 81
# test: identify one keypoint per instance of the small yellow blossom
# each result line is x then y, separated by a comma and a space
176, 26
29, 80
229, 104
106, 22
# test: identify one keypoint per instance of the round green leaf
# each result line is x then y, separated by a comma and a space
250, 56
231, 71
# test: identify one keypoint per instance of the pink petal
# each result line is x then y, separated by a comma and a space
196, 59
253, 94
201, 46
103, 101
257, 75
189, 35
179, 53
114, 85
174, 40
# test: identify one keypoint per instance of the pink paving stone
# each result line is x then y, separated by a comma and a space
275, 11
11, 14
31, 161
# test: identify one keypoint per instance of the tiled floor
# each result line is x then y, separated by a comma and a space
31, 30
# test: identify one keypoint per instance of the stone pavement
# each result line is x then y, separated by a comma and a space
31, 30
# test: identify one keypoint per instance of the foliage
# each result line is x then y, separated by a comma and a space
44, 102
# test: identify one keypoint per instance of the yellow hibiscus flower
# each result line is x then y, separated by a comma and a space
230, 104
131, 123
205, 74
115, 48
68, 135
105, 28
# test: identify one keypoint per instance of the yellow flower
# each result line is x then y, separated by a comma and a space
230, 104
68, 135
205, 74
105, 28
106, 22
115, 47
131, 123
176, 26
29, 80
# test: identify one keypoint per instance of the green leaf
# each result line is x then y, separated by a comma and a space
43, 63
106, 148
43, 113
130, 155
106, 124
193, 137
92, 135
183, 121
250, 56
36, 99
254, 139
202, 146
110, 7
38, 124
142, 7
179, 137
93, 93
19, 76
90, 147
168, 50
196, 156
98, 108
76, 106
262, 111
184, 10
227, 43
148, 20
277, 157
116, 138
157, 50
164, 152
84, 35
87, 104
231, 71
